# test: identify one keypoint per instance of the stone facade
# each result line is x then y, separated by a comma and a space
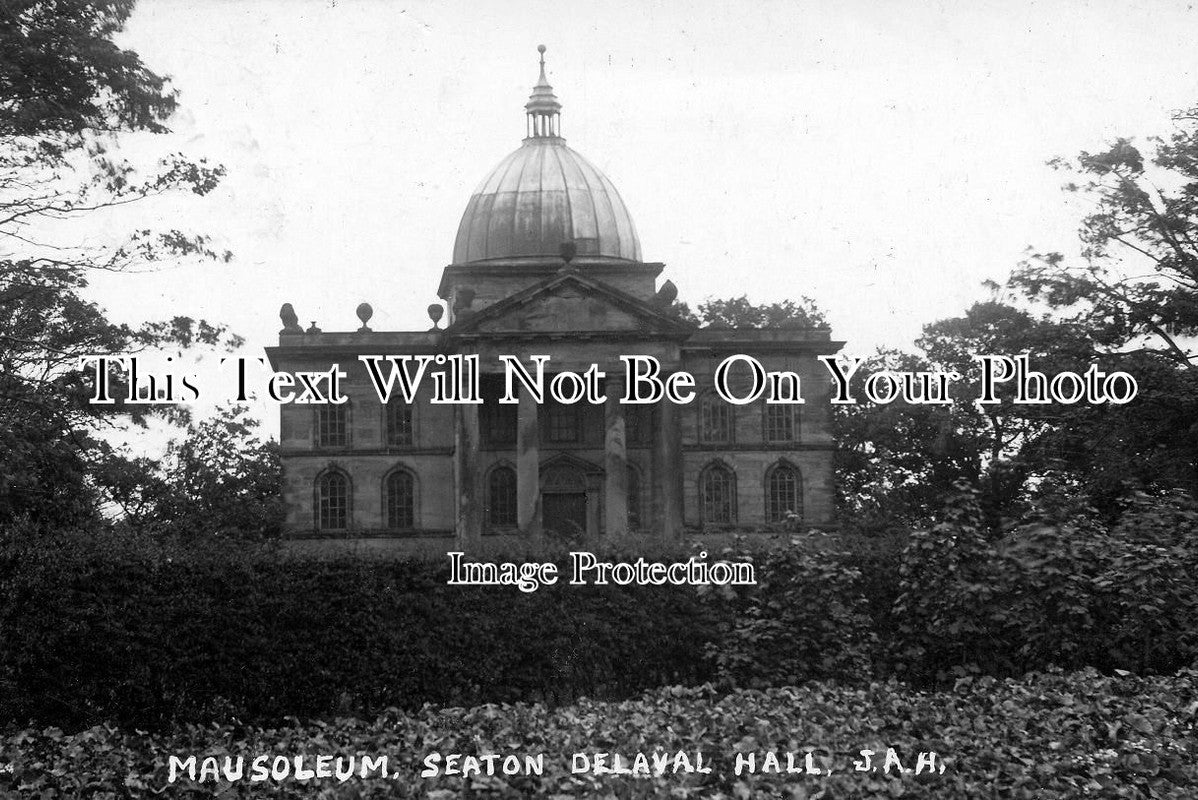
429, 477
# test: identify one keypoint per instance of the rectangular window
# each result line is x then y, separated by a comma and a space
636, 426
497, 420
501, 425
332, 425
400, 432
715, 423
780, 423
563, 423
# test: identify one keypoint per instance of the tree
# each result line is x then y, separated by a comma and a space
1129, 304
1136, 286
1135, 292
220, 478
67, 93
898, 462
739, 312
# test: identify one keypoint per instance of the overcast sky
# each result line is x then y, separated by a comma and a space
881, 157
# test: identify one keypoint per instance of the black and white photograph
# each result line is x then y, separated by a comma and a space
788, 399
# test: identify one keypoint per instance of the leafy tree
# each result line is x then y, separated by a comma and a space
1130, 303
739, 312
1136, 286
64, 74
898, 462
220, 478
1135, 293
66, 92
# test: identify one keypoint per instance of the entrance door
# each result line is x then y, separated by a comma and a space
564, 502
565, 513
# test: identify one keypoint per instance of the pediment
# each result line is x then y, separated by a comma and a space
570, 304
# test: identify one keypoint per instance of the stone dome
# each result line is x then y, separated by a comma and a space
542, 195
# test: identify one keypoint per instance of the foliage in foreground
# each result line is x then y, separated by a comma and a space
141, 631
1044, 736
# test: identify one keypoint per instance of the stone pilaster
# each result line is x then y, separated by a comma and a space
528, 465
468, 476
669, 476
615, 462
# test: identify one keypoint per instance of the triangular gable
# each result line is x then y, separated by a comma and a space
570, 303
566, 462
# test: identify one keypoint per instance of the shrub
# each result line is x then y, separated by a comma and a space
140, 631
1045, 735
1071, 593
806, 619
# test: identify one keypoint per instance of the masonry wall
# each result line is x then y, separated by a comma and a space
749, 455
367, 459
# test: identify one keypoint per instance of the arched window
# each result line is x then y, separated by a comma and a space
399, 500
501, 497
715, 420
717, 494
400, 432
332, 501
633, 488
332, 425
781, 422
783, 492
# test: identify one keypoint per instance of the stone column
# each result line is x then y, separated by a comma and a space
528, 465
594, 485
669, 476
467, 475
615, 462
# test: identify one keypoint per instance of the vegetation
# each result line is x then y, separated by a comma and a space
144, 630
1043, 735
1000, 544
66, 94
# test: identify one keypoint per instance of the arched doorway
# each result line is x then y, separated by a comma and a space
564, 501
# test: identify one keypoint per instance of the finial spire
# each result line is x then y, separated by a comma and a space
542, 107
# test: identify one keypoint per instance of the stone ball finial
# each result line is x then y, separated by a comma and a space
365, 312
435, 312
289, 319
540, 48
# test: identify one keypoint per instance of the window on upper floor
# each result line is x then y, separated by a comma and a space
780, 422
497, 421
399, 424
715, 420
637, 425
332, 425
563, 424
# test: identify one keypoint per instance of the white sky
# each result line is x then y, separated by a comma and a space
881, 157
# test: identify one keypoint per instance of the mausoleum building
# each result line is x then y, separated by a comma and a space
547, 263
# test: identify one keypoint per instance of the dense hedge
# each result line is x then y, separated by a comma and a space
142, 633
1044, 736
954, 600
